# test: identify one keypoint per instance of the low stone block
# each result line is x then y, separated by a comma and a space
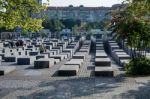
73, 62
42, 63
24, 61
29, 46
42, 56
60, 57
79, 56
29, 49
102, 62
104, 71
101, 55
68, 70
33, 53
123, 56
6, 69
10, 58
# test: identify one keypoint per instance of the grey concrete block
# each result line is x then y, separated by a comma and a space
74, 62
42, 63
42, 56
79, 56
68, 70
101, 55
6, 69
10, 58
104, 71
102, 62
34, 53
23, 61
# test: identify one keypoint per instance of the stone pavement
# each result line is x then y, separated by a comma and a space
28, 83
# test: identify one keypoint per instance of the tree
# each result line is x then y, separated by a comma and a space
132, 23
19, 13
53, 24
74, 30
69, 23
24, 33
43, 34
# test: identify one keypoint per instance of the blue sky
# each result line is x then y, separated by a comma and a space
90, 3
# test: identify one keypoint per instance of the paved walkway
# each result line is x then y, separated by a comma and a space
27, 83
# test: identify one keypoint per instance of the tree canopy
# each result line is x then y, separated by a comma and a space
132, 23
19, 13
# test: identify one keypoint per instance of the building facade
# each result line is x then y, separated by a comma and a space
90, 14
44, 2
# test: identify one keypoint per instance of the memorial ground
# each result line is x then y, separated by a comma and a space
28, 83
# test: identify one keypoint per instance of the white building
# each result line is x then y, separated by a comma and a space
82, 13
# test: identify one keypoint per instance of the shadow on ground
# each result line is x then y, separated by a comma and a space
142, 92
74, 88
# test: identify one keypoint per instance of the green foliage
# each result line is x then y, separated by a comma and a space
97, 25
132, 23
24, 33
56, 24
69, 23
138, 66
74, 30
139, 7
42, 48
43, 35
53, 25
18, 13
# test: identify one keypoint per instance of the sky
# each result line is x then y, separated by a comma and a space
89, 3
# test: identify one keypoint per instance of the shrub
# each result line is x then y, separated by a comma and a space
138, 66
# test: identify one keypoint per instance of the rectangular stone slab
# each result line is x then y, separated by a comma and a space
85, 47
101, 55
68, 50
112, 41
57, 51
78, 56
75, 60
41, 56
114, 47
66, 53
29, 49
29, 46
72, 62
84, 50
102, 62
10, 58
104, 71
99, 48
6, 69
120, 53
25, 60
118, 50
48, 47
68, 70
99, 45
42, 63
58, 48
123, 56
60, 57
48, 53
33, 53
100, 51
